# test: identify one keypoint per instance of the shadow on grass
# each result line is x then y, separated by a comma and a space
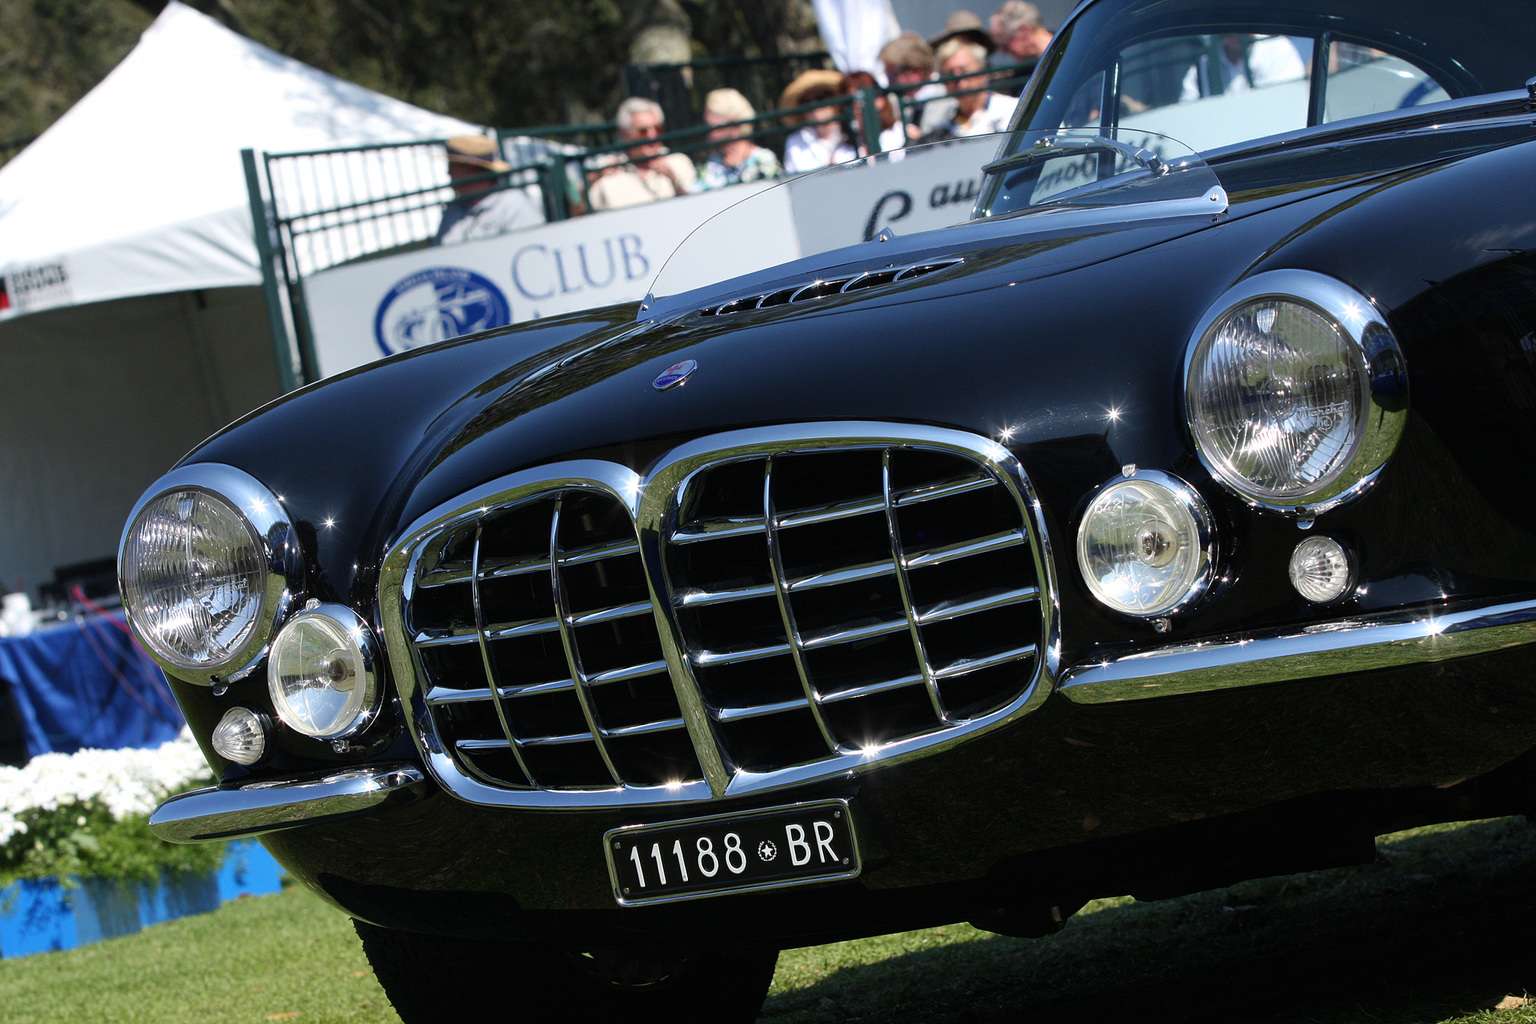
1441, 927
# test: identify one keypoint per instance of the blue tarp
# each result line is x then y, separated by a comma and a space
86, 683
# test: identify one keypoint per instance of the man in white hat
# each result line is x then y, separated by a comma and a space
484, 205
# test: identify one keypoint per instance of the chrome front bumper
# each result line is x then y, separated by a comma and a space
1343, 647
226, 812
1388, 640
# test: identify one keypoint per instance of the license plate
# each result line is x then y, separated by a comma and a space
811, 842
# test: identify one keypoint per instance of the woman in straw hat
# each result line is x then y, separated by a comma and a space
821, 142
738, 159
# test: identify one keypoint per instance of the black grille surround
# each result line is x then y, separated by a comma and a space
764, 608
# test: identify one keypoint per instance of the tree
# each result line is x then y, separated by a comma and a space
52, 52
514, 63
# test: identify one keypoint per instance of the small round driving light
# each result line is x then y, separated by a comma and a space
1321, 570
240, 736
1144, 546
322, 672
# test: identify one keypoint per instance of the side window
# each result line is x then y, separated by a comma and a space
1214, 90
1085, 109
1366, 81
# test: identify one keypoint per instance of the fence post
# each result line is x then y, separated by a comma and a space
284, 348
869, 120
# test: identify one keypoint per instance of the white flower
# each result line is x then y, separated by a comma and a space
127, 782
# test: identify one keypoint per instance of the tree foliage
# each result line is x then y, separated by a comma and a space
52, 52
512, 63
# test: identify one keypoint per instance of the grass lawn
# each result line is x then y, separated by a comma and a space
1441, 929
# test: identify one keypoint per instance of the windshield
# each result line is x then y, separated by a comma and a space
1218, 74
903, 193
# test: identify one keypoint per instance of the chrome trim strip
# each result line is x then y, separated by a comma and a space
757, 710
952, 552
1386, 640
697, 598
797, 642
572, 652
918, 495
221, 812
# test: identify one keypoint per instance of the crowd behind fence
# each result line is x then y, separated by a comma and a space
329, 207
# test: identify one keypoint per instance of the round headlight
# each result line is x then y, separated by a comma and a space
200, 577
1295, 391
322, 674
1144, 546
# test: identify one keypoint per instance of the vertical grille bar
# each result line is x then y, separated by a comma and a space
786, 612
492, 676
930, 681
568, 642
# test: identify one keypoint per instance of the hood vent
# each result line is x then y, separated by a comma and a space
819, 289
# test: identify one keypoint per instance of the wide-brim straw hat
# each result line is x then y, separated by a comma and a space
809, 83
476, 151
964, 25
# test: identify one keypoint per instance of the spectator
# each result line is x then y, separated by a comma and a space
908, 64
963, 25
939, 113
646, 171
822, 142
891, 134
1020, 39
978, 110
1246, 62
483, 205
738, 159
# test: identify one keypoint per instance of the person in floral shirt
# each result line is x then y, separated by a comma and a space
738, 159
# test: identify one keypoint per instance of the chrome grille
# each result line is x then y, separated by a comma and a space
832, 602
829, 596
535, 639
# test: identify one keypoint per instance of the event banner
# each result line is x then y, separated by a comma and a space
366, 310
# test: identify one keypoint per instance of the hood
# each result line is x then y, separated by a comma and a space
978, 326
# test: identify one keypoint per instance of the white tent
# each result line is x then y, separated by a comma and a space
132, 322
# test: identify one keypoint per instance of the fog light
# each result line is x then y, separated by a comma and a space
322, 674
1321, 570
1144, 545
240, 736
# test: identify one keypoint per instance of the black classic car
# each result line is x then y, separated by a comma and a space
1146, 531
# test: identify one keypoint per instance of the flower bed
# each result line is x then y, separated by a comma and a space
77, 859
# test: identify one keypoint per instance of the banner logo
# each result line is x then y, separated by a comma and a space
36, 287
436, 304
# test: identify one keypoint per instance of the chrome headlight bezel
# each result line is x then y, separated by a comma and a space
1378, 384
363, 699
280, 580
1196, 556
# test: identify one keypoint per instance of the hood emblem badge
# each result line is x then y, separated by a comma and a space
674, 375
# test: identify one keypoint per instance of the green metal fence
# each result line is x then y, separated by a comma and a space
323, 208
